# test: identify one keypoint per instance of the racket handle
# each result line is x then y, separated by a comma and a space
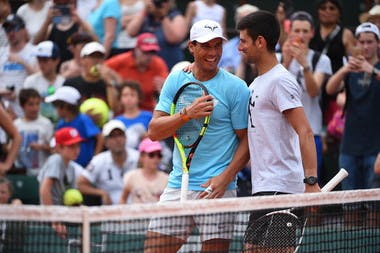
184, 186
342, 174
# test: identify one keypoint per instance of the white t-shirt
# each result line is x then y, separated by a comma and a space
3, 41
204, 11
123, 38
106, 175
13, 74
85, 7
37, 131
145, 190
33, 19
38, 82
311, 104
274, 146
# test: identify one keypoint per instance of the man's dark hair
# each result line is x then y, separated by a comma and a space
337, 4
261, 23
74, 109
26, 94
302, 16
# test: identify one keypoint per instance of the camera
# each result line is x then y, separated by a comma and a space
64, 11
158, 3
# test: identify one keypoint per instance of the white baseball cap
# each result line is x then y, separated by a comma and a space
92, 47
112, 125
367, 27
205, 30
47, 49
66, 94
375, 10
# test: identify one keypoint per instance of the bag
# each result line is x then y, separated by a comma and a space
335, 127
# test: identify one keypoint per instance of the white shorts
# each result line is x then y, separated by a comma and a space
210, 226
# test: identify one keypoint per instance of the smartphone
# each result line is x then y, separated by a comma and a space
64, 11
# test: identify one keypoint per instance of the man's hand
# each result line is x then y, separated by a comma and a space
96, 117
214, 187
60, 229
298, 50
354, 64
201, 107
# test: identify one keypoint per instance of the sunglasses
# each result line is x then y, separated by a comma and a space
154, 154
13, 29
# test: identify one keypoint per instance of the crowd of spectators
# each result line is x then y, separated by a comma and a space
56, 54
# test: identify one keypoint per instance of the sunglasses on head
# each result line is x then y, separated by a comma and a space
154, 154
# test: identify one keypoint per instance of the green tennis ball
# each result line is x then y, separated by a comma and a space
96, 106
72, 197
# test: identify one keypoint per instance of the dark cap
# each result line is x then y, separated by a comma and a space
13, 22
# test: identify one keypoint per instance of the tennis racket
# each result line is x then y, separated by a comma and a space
283, 228
189, 135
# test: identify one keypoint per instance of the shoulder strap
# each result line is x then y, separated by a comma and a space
315, 59
329, 38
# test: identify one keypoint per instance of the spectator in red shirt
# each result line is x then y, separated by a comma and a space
142, 65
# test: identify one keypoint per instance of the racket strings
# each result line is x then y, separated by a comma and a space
275, 230
189, 132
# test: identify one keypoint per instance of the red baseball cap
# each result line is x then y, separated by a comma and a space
147, 42
67, 136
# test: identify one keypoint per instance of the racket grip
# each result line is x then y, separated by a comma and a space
184, 186
342, 174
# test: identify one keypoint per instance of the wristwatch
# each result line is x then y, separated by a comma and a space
310, 180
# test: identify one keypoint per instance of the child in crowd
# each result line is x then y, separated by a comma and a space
146, 184
6, 191
47, 80
10, 232
66, 101
135, 120
59, 172
36, 132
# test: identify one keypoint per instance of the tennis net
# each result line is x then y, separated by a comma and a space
342, 221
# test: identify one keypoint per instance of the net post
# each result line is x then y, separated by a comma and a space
85, 231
